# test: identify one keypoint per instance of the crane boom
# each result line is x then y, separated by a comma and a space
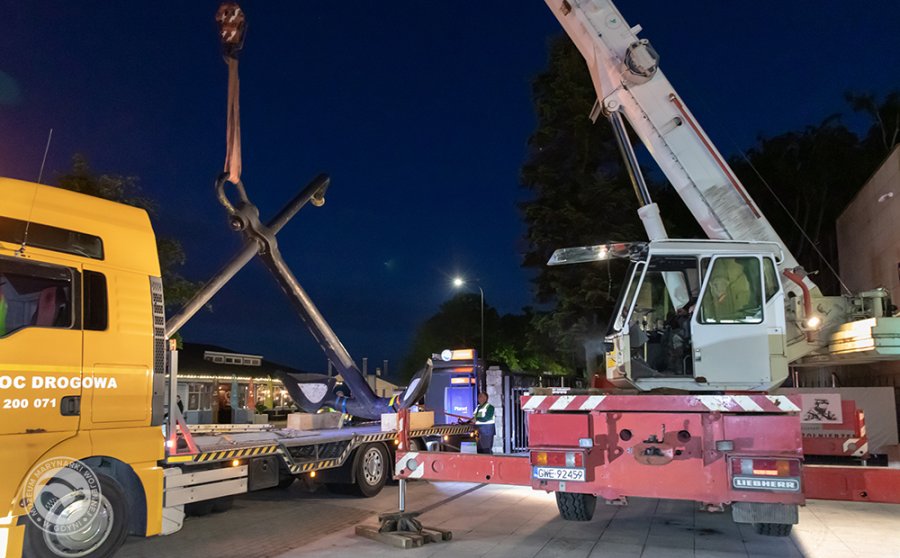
626, 76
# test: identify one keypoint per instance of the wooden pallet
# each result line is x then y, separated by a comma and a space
404, 539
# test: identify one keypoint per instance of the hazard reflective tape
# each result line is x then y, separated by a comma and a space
402, 465
237, 453
716, 402
592, 402
783, 402
638, 403
747, 403
562, 402
533, 402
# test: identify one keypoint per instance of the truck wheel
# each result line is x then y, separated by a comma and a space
199, 509
773, 529
100, 538
223, 504
285, 481
576, 507
371, 469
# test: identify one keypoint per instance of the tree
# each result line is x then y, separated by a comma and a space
456, 325
511, 338
803, 180
125, 189
884, 133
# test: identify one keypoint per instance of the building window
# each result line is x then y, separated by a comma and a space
199, 396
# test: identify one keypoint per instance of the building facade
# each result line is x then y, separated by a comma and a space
220, 386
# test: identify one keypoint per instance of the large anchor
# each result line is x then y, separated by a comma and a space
310, 392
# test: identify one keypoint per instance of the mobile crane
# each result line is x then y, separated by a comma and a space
710, 323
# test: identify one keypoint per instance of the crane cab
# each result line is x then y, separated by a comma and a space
694, 315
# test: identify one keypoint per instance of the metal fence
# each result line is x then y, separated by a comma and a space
515, 426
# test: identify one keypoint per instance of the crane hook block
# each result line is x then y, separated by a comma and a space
232, 23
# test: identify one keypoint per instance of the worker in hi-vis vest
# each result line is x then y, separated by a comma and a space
484, 424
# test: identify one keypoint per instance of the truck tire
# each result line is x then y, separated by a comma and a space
371, 469
773, 529
223, 504
285, 481
101, 538
576, 507
199, 509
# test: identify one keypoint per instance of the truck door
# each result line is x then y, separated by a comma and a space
40, 353
118, 348
730, 330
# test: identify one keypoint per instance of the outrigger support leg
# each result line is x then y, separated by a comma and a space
402, 528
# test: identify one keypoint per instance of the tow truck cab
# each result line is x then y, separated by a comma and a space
81, 354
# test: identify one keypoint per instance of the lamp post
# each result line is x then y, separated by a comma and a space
459, 282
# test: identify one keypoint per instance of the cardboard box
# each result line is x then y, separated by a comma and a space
310, 421
422, 419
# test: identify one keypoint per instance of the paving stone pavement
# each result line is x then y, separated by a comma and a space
498, 521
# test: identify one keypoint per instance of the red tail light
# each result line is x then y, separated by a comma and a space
557, 458
766, 467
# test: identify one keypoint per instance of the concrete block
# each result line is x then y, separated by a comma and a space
313, 421
422, 419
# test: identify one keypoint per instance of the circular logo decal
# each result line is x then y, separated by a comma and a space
62, 495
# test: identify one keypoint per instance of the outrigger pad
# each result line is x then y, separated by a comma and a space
403, 530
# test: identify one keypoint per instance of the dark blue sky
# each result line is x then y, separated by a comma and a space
420, 112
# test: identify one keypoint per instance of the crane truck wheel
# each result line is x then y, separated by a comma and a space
101, 537
576, 507
371, 469
773, 529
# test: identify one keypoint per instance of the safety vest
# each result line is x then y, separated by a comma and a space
484, 414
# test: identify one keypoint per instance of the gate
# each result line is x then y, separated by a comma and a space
515, 422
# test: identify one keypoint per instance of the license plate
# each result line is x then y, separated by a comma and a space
558, 473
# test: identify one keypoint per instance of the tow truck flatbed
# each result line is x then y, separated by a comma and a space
301, 451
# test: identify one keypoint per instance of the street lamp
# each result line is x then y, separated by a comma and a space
459, 282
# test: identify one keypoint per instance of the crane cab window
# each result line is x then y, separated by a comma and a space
659, 322
771, 277
36, 295
733, 292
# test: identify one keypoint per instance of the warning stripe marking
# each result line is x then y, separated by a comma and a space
783, 402
714, 403
562, 403
236, 453
592, 402
533, 402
